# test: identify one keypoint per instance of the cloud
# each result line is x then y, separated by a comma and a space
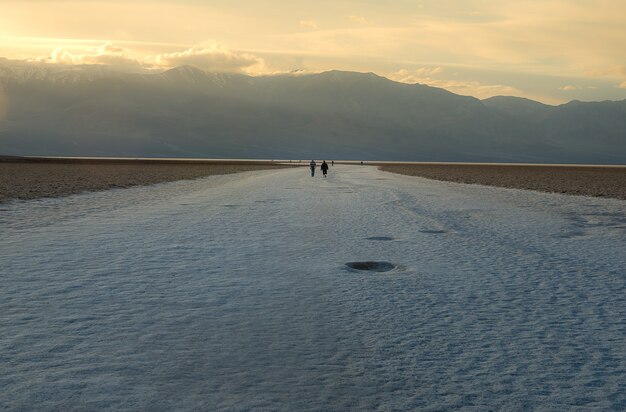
419, 75
208, 56
107, 54
477, 89
615, 72
427, 76
309, 24
358, 19
569, 88
212, 57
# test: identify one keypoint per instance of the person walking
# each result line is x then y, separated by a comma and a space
332, 162
324, 168
312, 168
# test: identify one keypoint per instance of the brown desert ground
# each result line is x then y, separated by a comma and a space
599, 181
30, 178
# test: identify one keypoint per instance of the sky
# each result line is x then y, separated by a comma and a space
552, 51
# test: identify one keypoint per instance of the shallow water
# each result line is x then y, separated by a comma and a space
232, 292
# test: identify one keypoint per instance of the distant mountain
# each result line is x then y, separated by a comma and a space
518, 106
91, 110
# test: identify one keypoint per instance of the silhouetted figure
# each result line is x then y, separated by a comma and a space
324, 168
361, 162
312, 164
332, 162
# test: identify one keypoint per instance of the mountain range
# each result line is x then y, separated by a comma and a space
187, 112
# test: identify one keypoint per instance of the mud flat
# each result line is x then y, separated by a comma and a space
30, 178
599, 181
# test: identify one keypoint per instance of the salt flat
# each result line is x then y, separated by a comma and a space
232, 293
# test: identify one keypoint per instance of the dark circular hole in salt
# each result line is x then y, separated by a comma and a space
371, 266
381, 238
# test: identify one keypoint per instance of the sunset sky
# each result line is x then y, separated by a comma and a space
548, 50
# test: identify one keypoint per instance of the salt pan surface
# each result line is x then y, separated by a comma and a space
231, 292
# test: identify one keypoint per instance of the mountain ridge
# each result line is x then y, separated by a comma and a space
186, 111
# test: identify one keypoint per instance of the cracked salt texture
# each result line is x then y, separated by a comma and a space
161, 298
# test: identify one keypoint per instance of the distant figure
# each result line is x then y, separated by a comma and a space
332, 162
312, 168
324, 168
361, 162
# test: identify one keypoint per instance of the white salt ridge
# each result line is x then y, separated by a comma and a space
231, 293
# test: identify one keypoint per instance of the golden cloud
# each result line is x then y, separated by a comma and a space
212, 57
107, 54
358, 19
425, 75
309, 24
615, 72
419, 75
208, 56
